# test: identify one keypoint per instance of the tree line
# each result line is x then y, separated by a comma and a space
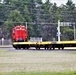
42, 18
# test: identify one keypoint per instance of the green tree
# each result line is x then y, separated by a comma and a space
70, 5
67, 33
41, 17
15, 18
68, 15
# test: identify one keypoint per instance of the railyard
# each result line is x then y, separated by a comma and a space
37, 37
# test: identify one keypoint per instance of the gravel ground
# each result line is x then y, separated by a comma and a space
12, 60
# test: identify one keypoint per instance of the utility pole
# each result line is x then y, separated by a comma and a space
65, 24
74, 31
58, 30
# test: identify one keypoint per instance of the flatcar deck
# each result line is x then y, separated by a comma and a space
46, 44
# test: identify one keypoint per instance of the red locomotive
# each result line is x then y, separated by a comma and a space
19, 34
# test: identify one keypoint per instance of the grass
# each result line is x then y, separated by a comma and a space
13, 62
39, 73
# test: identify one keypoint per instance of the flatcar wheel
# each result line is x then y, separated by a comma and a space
59, 48
38, 48
53, 48
50, 48
45, 48
62, 48
23, 47
27, 47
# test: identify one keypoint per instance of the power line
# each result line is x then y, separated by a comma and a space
30, 22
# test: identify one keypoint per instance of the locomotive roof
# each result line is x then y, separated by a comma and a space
19, 26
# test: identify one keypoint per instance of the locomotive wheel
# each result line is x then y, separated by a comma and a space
62, 48
15, 46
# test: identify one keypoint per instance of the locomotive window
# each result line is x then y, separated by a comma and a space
23, 28
13, 31
17, 28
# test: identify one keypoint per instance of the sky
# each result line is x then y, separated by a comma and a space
59, 2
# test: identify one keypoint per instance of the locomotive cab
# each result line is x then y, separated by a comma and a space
19, 34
